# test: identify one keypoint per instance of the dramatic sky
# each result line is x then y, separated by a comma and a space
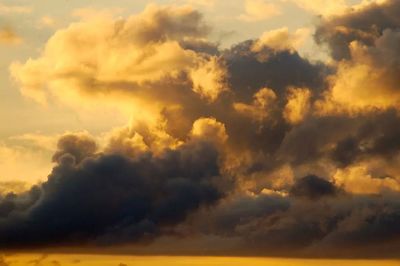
266, 128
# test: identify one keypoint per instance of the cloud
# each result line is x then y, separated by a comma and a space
364, 41
315, 219
14, 9
36, 163
256, 10
364, 24
134, 63
281, 39
209, 129
313, 187
252, 145
298, 105
139, 197
46, 22
263, 103
206, 3
209, 79
12, 186
9, 36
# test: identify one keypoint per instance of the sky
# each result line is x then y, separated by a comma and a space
256, 128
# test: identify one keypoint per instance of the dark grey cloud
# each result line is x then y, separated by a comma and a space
108, 198
249, 71
313, 187
79, 146
320, 221
377, 136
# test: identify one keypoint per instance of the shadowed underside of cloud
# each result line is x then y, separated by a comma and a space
334, 224
254, 145
110, 197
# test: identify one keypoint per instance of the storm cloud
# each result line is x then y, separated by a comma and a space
254, 144
110, 197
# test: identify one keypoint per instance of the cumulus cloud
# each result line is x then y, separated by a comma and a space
209, 79
281, 39
131, 56
365, 41
138, 197
263, 103
298, 105
254, 145
315, 219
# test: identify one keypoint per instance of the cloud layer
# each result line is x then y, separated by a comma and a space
255, 145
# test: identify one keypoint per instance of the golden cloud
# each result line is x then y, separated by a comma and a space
262, 106
102, 57
281, 39
366, 82
298, 105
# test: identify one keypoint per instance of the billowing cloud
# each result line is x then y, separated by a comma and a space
139, 197
363, 24
281, 39
365, 41
138, 56
254, 145
263, 103
317, 218
298, 105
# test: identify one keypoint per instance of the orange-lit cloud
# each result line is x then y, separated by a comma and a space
263, 104
122, 61
298, 105
281, 39
254, 148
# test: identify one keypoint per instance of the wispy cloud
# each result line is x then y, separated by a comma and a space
256, 10
9, 36
15, 9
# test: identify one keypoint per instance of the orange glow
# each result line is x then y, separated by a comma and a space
100, 260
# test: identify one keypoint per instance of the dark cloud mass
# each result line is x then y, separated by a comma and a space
250, 70
111, 198
325, 226
262, 149
313, 187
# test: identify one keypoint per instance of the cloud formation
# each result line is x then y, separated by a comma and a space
9, 37
254, 144
108, 198
102, 56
